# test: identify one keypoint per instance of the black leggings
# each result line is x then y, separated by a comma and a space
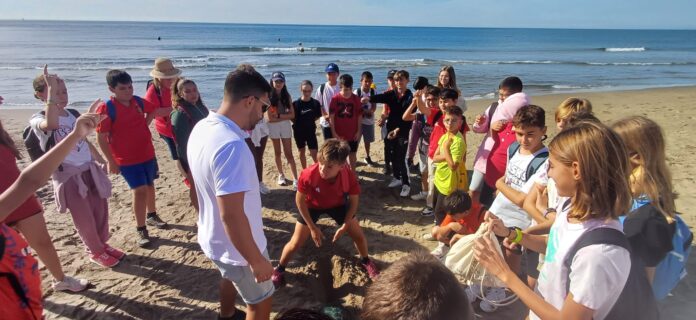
399, 147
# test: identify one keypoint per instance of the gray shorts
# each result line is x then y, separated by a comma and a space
243, 279
368, 133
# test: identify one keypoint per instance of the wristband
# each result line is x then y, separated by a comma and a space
548, 211
518, 238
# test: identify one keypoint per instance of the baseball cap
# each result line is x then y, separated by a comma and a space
332, 67
278, 76
391, 74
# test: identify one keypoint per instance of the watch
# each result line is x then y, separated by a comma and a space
548, 211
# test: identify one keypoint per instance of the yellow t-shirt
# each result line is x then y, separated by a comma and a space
446, 181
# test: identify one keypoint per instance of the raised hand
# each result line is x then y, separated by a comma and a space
87, 122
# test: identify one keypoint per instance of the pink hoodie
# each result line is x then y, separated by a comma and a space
506, 111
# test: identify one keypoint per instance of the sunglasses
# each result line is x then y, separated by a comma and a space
265, 106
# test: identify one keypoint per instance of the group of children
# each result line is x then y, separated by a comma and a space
588, 177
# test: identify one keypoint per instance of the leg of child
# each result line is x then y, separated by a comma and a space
276, 153
85, 221
513, 259
228, 295
258, 157
140, 195
299, 237
287, 150
260, 311
151, 204
355, 232
399, 160
367, 149
353, 161
34, 230
313, 154
303, 159
414, 135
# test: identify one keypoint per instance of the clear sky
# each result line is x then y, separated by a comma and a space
614, 14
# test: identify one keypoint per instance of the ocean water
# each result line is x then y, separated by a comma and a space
547, 60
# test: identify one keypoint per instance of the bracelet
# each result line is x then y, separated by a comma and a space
548, 211
518, 238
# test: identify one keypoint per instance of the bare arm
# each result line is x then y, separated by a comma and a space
150, 116
408, 114
353, 201
51, 121
103, 142
517, 197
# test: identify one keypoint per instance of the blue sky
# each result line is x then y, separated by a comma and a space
648, 14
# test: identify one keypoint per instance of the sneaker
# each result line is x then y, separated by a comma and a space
155, 221
405, 191
419, 196
105, 260
371, 269
428, 236
294, 185
238, 315
118, 254
427, 212
369, 162
263, 189
278, 278
70, 284
281, 180
440, 251
493, 294
143, 238
395, 183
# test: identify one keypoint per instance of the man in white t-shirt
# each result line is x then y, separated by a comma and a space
324, 94
368, 121
230, 228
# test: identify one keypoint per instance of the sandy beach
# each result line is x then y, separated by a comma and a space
174, 278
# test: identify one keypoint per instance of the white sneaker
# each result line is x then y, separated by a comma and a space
428, 236
395, 183
70, 284
405, 191
440, 251
263, 189
419, 196
294, 185
427, 212
281, 180
493, 294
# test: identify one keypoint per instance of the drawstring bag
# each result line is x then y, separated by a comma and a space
461, 261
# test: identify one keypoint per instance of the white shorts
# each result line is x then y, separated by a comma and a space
280, 130
260, 131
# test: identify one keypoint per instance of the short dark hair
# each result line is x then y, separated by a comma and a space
115, 77
391, 73
513, 84
334, 150
301, 314
402, 74
457, 202
306, 83
433, 91
366, 74
346, 80
449, 94
529, 116
454, 111
417, 287
245, 81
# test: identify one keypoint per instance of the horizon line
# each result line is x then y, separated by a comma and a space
344, 25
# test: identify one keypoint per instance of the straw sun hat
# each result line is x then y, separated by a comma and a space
164, 69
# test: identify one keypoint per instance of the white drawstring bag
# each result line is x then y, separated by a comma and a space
460, 260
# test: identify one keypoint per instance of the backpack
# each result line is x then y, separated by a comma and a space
111, 108
673, 267
636, 300
359, 90
533, 165
33, 143
157, 90
491, 111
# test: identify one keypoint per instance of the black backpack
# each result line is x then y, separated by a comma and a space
491, 111
32, 142
636, 301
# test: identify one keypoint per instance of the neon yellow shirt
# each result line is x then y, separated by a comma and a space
447, 181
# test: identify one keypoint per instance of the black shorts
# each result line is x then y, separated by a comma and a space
353, 146
438, 206
326, 132
306, 137
487, 195
338, 214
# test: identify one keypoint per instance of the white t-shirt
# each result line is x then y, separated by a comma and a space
325, 99
221, 163
366, 120
66, 124
516, 177
599, 272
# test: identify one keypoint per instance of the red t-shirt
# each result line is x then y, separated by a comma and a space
347, 115
8, 174
497, 159
439, 130
322, 194
17, 262
163, 125
130, 138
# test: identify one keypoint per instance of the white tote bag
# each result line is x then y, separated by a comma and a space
460, 260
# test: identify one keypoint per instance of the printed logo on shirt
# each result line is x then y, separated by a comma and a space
345, 110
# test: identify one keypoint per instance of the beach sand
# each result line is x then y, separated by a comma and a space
174, 279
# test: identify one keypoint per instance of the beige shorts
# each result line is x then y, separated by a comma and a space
280, 130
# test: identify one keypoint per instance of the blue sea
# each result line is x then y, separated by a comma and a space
547, 60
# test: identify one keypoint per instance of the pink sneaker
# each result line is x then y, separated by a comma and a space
118, 254
104, 260
278, 278
371, 269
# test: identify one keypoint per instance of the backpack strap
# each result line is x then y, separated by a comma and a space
536, 163
601, 235
111, 110
321, 90
140, 103
359, 92
74, 112
491, 112
512, 149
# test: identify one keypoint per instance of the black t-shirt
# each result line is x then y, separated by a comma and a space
649, 234
306, 113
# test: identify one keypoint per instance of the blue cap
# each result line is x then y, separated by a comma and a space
332, 67
277, 76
